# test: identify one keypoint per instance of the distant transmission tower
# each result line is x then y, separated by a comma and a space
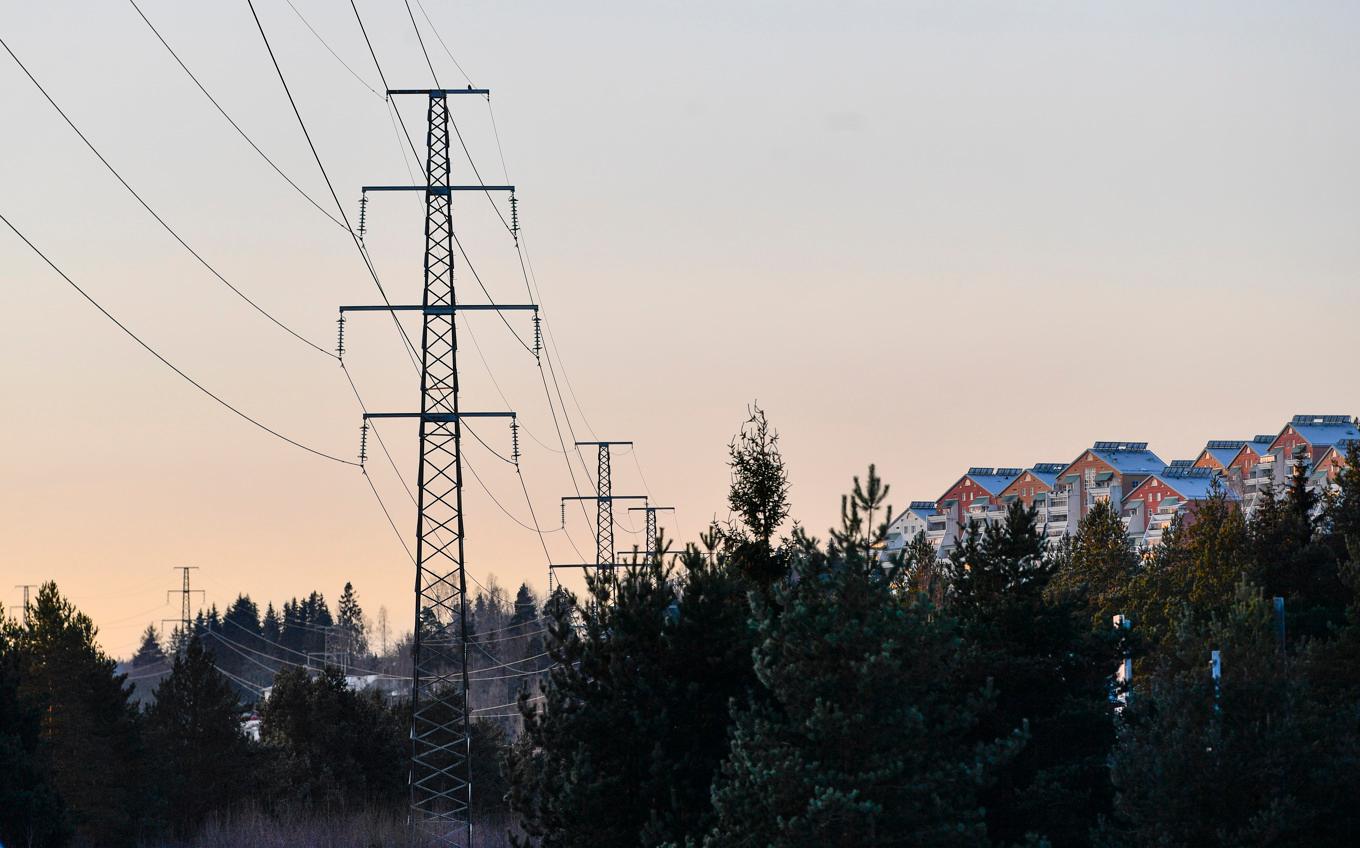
25, 587
604, 498
651, 511
440, 776
185, 606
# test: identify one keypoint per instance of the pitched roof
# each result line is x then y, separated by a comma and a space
1191, 483
922, 508
1047, 472
1323, 430
993, 479
1128, 457
1259, 446
1223, 450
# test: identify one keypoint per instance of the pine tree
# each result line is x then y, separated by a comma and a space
1050, 671
330, 747
194, 727
32, 812
1256, 759
90, 729
1097, 565
625, 746
861, 735
1196, 569
1293, 556
921, 572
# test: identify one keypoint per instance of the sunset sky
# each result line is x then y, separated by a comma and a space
925, 235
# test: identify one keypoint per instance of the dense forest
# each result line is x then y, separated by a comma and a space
760, 686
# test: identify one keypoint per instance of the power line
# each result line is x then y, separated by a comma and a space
232, 121
154, 214
151, 350
330, 186
331, 50
440, 39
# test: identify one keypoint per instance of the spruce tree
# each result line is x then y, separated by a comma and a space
351, 622
759, 497
149, 654
32, 812
1202, 558
202, 757
625, 745
90, 729
270, 627
861, 732
1097, 565
1050, 671
330, 747
921, 573
1256, 758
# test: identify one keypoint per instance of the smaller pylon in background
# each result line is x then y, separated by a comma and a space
185, 605
23, 608
651, 550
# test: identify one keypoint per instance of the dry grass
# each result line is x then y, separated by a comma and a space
358, 829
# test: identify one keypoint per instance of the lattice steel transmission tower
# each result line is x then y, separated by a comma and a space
440, 776
24, 587
604, 498
651, 511
185, 604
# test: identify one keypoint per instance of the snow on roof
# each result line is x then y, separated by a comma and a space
993, 479
1047, 472
1191, 483
1224, 450
1323, 430
1128, 457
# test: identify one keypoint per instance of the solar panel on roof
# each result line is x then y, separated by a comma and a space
1226, 444
1264, 438
1181, 463
1321, 419
1187, 471
922, 505
980, 471
1009, 472
1049, 467
1120, 446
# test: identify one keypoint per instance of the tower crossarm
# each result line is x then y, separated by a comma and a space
438, 189
440, 92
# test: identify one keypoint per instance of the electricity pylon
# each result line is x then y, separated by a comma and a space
651, 511
185, 594
25, 587
440, 776
604, 498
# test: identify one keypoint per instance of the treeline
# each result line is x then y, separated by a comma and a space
770, 690
148, 756
765, 687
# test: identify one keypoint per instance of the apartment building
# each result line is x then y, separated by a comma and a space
970, 499
1037, 487
919, 517
1106, 471
1305, 438
1149, 493
1151, 506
